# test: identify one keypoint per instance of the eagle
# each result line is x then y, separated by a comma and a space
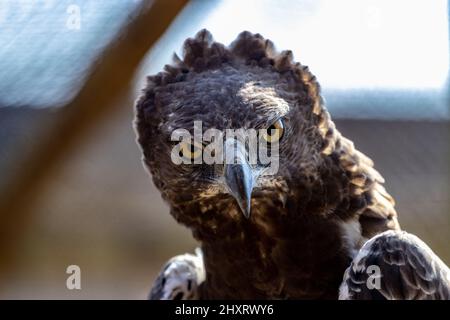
308, 230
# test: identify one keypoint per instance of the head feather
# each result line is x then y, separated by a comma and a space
202, 53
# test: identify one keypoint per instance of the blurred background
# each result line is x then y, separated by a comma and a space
73, 190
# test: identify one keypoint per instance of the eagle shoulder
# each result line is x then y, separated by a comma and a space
396, 265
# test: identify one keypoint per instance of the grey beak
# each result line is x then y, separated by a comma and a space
239, 180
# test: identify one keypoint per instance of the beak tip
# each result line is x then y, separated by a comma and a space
247, 212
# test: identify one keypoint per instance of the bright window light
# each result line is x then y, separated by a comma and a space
385, 44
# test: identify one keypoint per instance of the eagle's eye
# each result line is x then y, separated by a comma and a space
191, 151
275, 132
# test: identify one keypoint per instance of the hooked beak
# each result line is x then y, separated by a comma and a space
239, 177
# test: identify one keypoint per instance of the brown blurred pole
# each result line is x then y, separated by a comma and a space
106, 86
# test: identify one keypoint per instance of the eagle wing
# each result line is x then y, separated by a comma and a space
396, 265
366, 184
180, 278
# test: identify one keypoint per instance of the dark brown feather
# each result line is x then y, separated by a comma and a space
295, 244
408, 269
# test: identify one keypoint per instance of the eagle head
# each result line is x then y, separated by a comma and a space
224, 130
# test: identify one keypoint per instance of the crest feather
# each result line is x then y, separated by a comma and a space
201, 53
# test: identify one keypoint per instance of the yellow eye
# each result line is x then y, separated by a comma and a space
191, 151
275, 132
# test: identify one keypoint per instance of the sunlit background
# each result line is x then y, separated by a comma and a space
383, 66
